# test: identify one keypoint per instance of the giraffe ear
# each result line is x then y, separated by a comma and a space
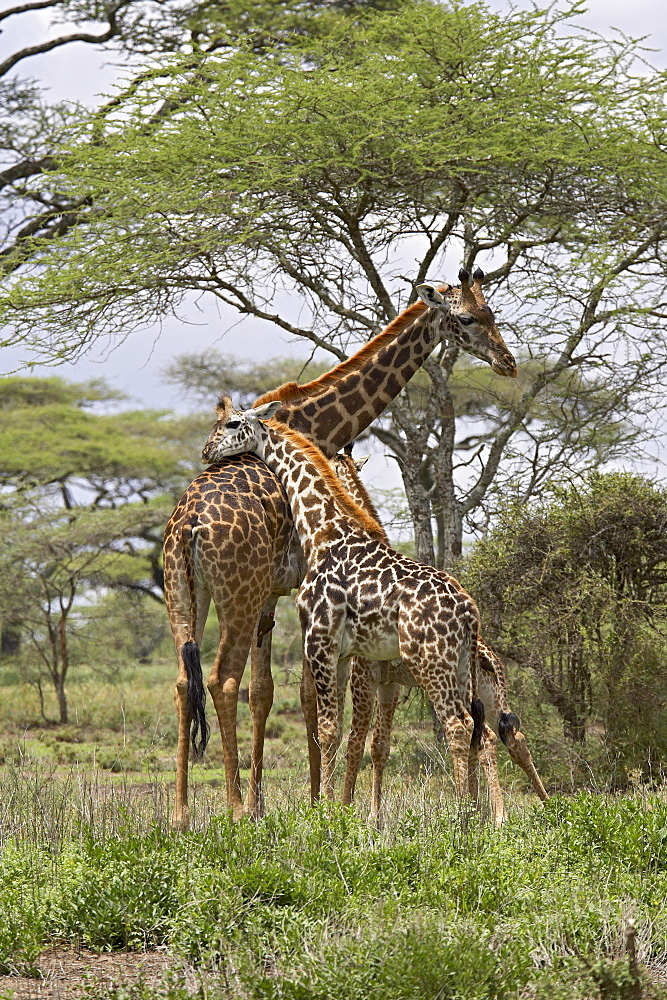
429, 294
265, 411
360, 462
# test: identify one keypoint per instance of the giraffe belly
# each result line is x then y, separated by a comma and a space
374, 643
397, 673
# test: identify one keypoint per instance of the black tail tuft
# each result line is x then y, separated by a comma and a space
196, 697
477, 712
508, 723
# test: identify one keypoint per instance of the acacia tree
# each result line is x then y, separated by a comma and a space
83, 502
319, 163
34, 206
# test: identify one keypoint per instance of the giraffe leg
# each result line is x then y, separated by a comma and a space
489, 761
320, 654
342, 679
387, 701
260, 698
458, 733
180, 817
363, 685
308, 695
520, 754
223, 683
454, 716
458, 726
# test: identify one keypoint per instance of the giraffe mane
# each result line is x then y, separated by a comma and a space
367, 504
314, 455
291, 392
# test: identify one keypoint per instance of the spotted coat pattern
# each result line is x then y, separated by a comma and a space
244, 545
359, 597
382, 681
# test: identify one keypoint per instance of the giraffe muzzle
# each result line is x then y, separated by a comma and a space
506, 368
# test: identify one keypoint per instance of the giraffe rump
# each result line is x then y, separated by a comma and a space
196, 697
508, 724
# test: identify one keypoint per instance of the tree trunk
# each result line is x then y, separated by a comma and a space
10, 641
60, 675
450, 521
63, 713
420, 509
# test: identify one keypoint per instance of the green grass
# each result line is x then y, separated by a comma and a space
311, 904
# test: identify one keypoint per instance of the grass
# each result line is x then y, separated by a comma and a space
311, 904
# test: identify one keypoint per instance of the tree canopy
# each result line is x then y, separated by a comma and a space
343, 158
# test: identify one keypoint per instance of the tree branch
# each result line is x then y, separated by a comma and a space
54, 43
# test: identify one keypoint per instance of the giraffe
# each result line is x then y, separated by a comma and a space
360, 597
383, 680
231, 537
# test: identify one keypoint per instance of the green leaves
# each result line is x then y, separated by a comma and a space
214, 171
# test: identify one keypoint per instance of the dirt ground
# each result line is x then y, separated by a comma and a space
69, 973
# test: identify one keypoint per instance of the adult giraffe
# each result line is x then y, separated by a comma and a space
232, 538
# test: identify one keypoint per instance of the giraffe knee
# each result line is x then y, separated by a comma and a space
379, 750
327, 731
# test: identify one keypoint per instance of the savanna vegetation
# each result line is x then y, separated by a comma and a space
313, 148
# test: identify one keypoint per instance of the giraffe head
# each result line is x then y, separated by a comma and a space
473, 327
237, 431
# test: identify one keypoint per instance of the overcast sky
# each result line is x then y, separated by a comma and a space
81, 72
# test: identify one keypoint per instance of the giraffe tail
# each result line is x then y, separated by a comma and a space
190, 650
477, 712
476, 704
196, 697
508, 724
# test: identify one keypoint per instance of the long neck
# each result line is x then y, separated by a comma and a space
321, 509
335, 408
349, 476
339, 414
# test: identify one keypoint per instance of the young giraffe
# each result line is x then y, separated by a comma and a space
359, 597
385, 679
231, 537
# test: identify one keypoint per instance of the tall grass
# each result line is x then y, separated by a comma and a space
312, 904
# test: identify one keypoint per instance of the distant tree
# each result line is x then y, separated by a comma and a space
83, 502
51, 557
319, 156
202, 377
576, 590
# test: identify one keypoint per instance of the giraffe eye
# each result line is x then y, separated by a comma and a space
466, 320
233, 424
